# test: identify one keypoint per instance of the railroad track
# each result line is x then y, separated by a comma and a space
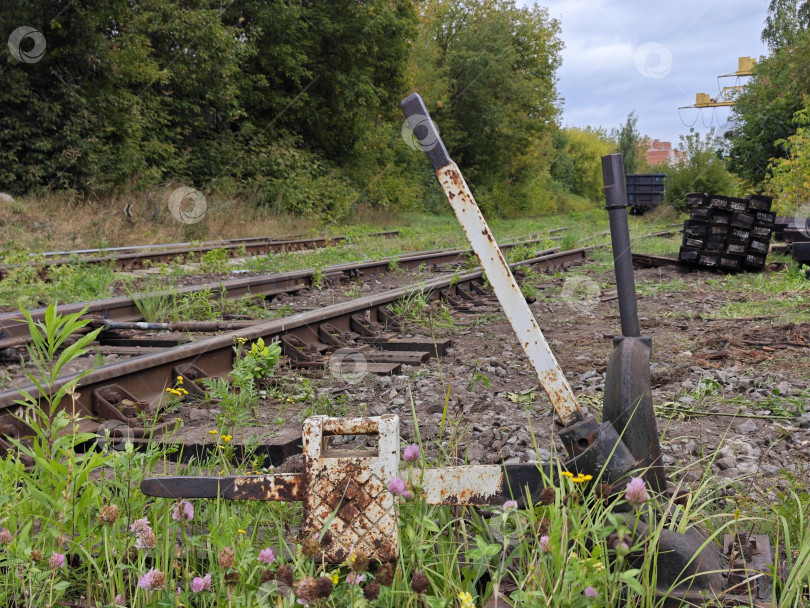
117, 391
14, 332
127, 259
101, 251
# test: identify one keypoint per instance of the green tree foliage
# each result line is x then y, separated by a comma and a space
628, 139
488, 68
700, 169
789, 182
295, 104
786, 18
577, 164
763, 114
129, 94
122, 94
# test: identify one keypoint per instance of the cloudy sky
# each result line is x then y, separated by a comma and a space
651, 57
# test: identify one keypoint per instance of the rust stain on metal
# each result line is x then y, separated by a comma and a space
347, 491
350, 426
287, 487
467, 485
509, 295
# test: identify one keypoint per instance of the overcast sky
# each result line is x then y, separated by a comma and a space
651, 57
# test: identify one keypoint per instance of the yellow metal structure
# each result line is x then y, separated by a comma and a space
728, 95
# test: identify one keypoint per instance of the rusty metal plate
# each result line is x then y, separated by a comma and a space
347, 503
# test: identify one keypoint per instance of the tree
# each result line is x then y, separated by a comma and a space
628, 143
763, 113
577, 164
786, 18
701, 168
789, 182
490, 74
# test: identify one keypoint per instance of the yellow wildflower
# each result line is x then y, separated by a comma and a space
241, 531
465, 600
588, 477
182, 390
179, 379
227, 438
566, 474
334, 578
212, 432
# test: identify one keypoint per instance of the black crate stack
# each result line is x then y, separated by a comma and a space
727, 232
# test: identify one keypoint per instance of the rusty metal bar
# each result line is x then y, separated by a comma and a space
285, 487
201, 326
474, 485
492, 261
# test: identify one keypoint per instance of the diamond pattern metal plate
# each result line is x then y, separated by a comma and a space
347, 502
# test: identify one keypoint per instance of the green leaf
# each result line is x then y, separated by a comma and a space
436, 602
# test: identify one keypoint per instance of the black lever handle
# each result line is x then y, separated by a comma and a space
616, 203
425, 131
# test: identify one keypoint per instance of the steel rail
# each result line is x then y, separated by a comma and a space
132, 261
166, 246
14, 331
146, 377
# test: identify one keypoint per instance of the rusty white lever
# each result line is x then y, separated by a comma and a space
492, 261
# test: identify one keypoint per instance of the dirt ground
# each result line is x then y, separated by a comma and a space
730, 394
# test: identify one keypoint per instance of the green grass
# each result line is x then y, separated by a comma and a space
563, 551
24, 287
418, 232
419, 310
782, 295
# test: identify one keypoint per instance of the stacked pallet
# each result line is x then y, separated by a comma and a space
726, 232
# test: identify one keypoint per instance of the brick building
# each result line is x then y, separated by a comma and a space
661, 153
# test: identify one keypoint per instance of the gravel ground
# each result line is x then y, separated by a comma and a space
715, 381
710, 376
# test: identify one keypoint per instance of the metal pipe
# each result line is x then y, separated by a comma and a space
201, 326
616, 199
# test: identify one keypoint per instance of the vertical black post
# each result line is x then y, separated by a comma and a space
616, 198
628, 393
